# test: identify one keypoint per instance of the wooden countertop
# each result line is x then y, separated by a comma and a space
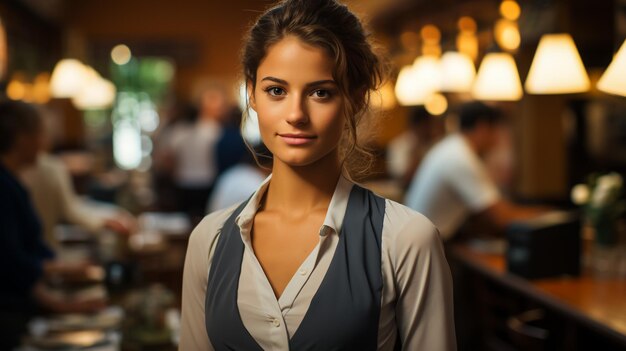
597, 302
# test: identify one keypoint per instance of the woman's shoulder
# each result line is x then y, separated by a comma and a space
210, 226
408, 228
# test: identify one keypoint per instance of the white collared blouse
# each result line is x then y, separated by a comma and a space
416, 303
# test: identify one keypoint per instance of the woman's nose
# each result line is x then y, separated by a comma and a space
297, 111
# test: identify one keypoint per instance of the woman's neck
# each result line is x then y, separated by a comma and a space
299, 190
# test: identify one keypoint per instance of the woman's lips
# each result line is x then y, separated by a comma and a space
296, 139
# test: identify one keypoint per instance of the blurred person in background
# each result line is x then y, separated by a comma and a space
26, 259
192, 147
50, 186
238, 174
452, 182
406, 151
239, 181
176, 116
230, 147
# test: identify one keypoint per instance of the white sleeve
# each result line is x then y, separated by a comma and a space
398, 152
202, 242
73, 209
469, 178
424, 307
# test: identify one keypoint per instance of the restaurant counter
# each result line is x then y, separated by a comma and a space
576, 312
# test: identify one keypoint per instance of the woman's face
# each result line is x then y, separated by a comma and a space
298, 103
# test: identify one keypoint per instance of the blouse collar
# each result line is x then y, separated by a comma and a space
334, 216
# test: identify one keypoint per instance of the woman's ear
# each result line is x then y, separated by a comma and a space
250, 92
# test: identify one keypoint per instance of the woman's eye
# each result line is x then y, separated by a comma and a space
322, 94
275, 91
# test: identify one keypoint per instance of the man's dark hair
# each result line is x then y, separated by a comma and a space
418, 115
473, 113
16, 118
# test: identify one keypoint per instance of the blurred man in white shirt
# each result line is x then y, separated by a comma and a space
452, 182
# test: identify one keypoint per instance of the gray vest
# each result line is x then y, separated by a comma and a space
344, 312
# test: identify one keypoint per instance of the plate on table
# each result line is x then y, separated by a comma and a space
171, 224
110, 318
69, 340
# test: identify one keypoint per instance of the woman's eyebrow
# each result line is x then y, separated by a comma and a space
276, 80
284, 82
320, 82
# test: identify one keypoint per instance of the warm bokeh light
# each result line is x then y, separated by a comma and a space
498, 79
121, 54
613, 81
430, 40
557, 67
457, 72
3, 50
436, 104
16, 89
404, 88
467, 24
466, 40
384, 98
96, 93
507, 35
410, 40
468, 45
430, 33
417, 82
67, 79
41, 88
510, 10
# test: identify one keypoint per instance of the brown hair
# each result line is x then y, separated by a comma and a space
358, 70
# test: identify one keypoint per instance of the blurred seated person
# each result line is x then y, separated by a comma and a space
176, 117
192, 148
55, 201
239, 181
406, 151
452, 183
25, 259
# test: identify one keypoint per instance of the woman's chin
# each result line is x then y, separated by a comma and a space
299, 158
302, 157
297, 162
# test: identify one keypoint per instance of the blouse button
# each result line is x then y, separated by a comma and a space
303, 271
276, 322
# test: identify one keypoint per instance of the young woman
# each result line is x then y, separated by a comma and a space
313, 261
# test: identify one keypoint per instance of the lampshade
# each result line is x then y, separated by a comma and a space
96, 92
404, 87
557, 67
67, 78
457, 72
417, 82
613, 81
497, 79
